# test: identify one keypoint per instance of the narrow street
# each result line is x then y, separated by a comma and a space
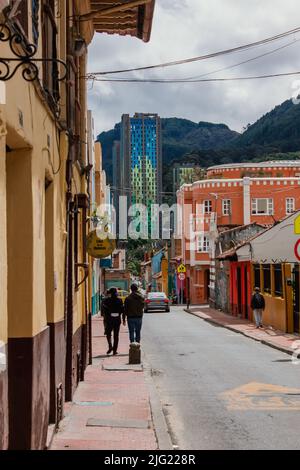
197, 369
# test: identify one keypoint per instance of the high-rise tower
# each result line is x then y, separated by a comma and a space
141, 158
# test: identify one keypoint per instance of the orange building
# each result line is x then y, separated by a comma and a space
232, 195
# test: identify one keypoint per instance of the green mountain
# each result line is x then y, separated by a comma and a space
179, 136
276, 135
279, 129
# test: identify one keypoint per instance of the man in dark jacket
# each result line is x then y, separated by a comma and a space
134, 310
258, 306
113, 309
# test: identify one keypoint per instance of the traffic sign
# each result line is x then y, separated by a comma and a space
297, 250
181, 268
181, 276
297, 225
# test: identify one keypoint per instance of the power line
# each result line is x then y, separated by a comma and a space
228, 67
246, 61
207, 80
203, 57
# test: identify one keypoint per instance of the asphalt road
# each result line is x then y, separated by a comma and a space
219, 389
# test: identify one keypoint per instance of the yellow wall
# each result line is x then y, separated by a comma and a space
38, 152
275, 312
279, 311
3, 245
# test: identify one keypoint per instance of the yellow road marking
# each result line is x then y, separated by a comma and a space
258, 396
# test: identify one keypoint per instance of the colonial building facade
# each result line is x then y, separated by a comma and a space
45, 277
232, 195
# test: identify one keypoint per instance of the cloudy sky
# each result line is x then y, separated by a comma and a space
188, 28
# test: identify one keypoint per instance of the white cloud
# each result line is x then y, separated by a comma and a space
190, 28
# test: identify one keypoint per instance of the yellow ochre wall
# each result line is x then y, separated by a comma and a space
37, 152
279, 311
3, 244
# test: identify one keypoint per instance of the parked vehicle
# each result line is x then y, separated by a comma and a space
157, 301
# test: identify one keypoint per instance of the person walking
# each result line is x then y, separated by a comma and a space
134, 310
258, 305
113, 310
104, 296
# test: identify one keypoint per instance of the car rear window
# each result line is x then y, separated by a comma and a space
158, 295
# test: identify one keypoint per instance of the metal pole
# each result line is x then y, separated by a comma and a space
181, 281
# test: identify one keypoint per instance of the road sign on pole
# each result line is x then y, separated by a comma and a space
181, 276
181, 268
297, 250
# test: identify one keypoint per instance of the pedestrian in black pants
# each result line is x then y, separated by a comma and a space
134, 309
113, 310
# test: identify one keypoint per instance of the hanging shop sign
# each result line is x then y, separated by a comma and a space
99, 247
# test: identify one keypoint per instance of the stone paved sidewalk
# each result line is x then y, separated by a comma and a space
266, 335
111, 408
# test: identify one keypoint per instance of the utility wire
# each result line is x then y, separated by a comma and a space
228, 67
203, 57
252, 59
207, 80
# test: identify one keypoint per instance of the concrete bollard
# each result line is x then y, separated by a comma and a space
134, 353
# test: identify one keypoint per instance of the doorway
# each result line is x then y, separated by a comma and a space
239, 290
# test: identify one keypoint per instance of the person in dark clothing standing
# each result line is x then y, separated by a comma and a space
134, 310
258, 306
113, 309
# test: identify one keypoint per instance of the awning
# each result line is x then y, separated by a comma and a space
123, 17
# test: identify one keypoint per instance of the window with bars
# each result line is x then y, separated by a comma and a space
262, 206
203, 244
226, 206
289, 205
207, 207
267, 278
257, 280
278, 290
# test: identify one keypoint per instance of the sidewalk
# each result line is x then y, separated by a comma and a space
266, 335
111, 408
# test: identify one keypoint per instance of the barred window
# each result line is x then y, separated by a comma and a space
267, 278
278, 280
257, 280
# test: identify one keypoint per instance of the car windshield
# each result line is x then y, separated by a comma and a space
156, 295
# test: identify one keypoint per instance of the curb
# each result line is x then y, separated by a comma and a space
262, 341
52, 430
159, 422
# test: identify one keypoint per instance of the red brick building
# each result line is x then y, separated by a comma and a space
232, 195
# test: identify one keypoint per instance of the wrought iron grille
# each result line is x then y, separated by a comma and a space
23, 56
